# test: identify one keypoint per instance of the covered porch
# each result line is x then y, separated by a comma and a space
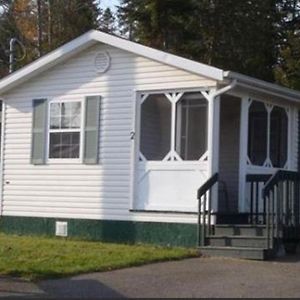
237, 145
250, 204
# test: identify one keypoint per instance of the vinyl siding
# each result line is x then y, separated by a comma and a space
75, 190
229, 154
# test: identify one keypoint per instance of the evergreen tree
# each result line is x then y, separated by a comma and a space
107, 21
8, 29
236, 35
43, 25
67, 19
287, 71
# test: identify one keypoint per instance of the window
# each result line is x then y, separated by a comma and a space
174, 127
267, 135
257, 135
278, 137
65, 130
156, 127
191, 126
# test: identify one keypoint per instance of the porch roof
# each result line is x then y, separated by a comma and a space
94, 36
258, 85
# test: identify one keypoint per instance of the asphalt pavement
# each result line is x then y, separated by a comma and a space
199, 277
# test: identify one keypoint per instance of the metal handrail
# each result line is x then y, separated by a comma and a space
204, 211
207, 185
280, 175
256, 183
281, 193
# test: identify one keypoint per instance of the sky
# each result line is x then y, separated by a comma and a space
109, 3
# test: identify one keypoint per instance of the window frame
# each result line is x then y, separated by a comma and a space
179, 123
250, 137
174, 96
80, 130
280, 136
269, 105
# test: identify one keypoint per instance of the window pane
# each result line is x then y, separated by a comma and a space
55, 145
55, 122
66, 109
71, 113
191, 126
65, 115
257, 133
155, 127
278, 137
66, 122
64, 145
55, 109
76, 108
55, 115
74, 145
75, 121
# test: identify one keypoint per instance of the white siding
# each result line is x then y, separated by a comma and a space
76, 190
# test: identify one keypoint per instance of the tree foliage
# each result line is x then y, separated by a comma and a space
254, 37
287, 70
43, 25
236, 35
107, 21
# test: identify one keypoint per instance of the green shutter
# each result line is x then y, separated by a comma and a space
91, 129
39, 124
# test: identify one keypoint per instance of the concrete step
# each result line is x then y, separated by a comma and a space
237, 252
238, 241
240, 230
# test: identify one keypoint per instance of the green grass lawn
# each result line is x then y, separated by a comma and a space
36, 258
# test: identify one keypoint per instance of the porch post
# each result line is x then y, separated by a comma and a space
213, 138
243, 152
213, 142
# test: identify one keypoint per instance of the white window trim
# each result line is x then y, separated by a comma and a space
81, 145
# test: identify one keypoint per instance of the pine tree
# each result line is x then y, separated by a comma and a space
107, 22
43, 25
68, 19
287, 71
236, 35
8, 30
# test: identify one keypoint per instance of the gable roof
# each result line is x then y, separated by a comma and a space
94, 36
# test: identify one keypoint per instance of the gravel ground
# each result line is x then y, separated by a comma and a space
200, 277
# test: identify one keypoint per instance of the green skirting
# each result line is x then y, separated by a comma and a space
170, 234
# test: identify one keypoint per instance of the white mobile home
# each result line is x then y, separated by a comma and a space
107, 139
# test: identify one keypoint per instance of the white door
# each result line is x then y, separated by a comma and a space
171, 151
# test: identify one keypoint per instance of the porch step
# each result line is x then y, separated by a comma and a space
240, 230
237, 252
238, 241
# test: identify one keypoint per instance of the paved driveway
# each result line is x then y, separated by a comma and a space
201, 277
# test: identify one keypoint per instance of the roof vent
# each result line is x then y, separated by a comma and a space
102, 62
